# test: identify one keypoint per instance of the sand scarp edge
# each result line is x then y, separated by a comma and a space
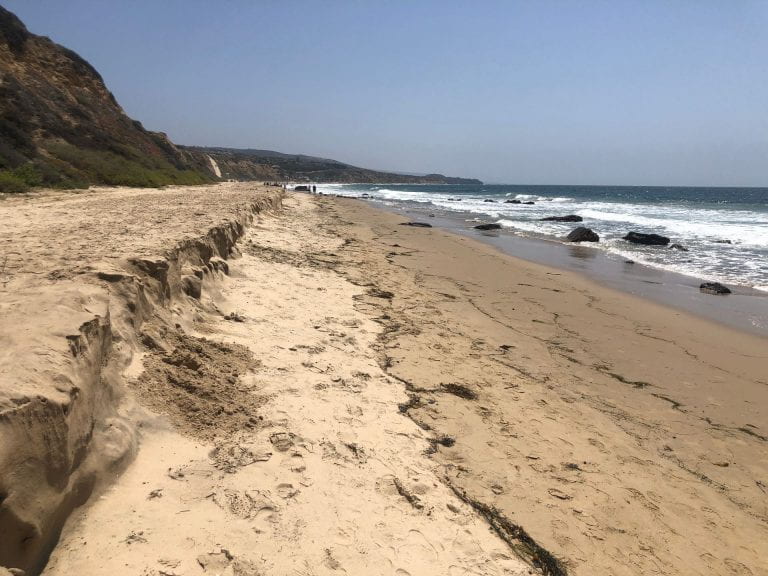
55, 447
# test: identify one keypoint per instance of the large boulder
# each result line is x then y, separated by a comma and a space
582, 234
492, 226
714, 288
647, 239
569, 218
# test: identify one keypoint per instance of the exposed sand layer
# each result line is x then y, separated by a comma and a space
79, 275
363, 397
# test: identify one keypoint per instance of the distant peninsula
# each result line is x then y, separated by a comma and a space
267, 165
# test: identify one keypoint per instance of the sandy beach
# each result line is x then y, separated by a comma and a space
302, 385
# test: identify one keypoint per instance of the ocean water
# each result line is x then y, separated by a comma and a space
724, 229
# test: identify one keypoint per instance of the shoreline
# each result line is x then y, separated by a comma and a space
746, 309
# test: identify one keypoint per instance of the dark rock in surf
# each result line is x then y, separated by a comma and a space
722, 241
489, 200
416, 224
714, 288
582, 234
488, 227
646, 239
512, 202
569, 218
529, 202
678, 247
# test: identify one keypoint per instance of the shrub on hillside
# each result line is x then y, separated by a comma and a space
12, 184
126, 169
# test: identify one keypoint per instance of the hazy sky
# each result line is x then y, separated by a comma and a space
612, 92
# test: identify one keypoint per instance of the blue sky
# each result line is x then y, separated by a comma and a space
613, 92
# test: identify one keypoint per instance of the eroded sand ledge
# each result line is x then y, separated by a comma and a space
623, 437
80, 274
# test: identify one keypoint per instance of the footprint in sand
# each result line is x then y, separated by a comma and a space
294, 462
417, 547
263, 519
287, 490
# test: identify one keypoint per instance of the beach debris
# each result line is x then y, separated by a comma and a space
460, 390
515, 536
714, 288
234, 317
582, 234
646, 239
568, 218
417, 224
491, 226
378, 293
678, 247
443, 440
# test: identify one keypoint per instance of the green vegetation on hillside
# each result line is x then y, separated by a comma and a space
68, 167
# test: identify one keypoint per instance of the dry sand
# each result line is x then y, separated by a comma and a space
314, 471
367, 398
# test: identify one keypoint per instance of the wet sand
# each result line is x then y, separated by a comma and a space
746, 309
358, 396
